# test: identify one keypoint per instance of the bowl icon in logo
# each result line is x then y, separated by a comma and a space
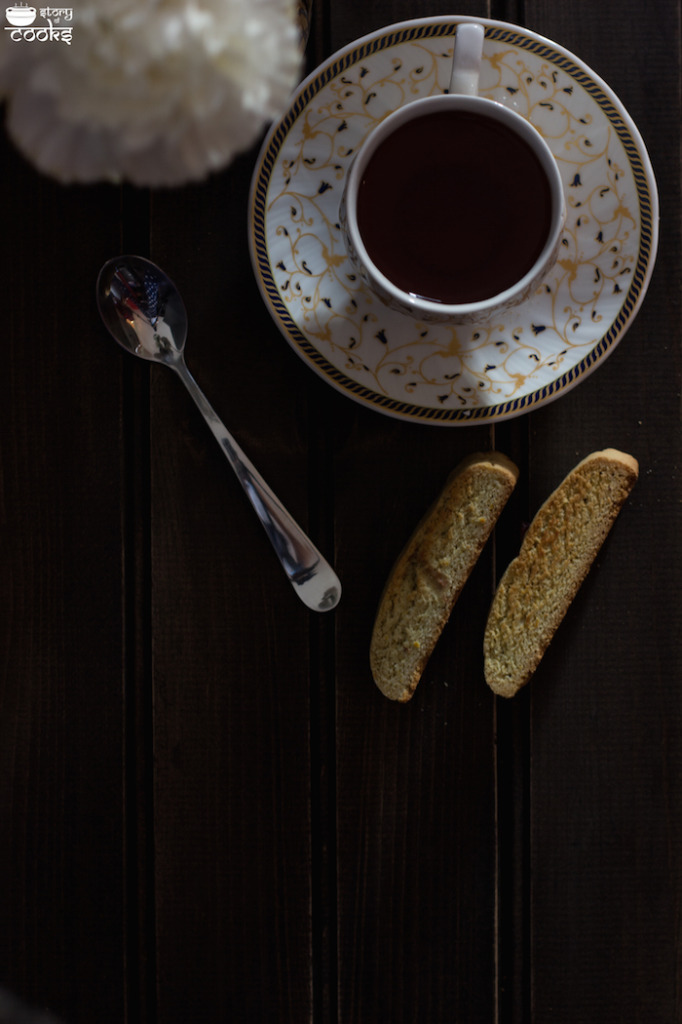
20, 16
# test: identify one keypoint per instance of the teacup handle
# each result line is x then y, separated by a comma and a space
466, 62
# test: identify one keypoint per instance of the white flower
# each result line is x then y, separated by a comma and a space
155, 92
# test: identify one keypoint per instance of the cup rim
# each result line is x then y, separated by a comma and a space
496, 111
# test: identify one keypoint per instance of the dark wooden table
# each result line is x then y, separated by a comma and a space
208, 812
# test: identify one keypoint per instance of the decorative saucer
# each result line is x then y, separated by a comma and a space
445, 374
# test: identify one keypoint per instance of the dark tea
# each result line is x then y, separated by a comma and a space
454, 207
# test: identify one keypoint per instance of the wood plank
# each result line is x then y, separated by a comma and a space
604, 711
63, 927
232, 670
415, 784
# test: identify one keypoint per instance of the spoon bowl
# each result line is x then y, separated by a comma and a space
144, 312
142, 309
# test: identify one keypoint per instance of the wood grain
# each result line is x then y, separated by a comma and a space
208, 811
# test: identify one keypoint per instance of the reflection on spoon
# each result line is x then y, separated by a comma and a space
143, 311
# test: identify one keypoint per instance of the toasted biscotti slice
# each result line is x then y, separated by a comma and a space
428, 576
557, 551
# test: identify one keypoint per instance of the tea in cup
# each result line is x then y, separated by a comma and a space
453, 208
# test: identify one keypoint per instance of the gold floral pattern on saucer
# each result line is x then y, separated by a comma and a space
439, 373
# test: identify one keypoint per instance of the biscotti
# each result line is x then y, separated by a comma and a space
557, 551
428, 576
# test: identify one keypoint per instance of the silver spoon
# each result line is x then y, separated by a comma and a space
143, 311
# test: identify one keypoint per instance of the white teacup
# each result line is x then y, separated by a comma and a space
454, 207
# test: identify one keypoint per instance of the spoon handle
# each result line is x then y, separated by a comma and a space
312, 577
